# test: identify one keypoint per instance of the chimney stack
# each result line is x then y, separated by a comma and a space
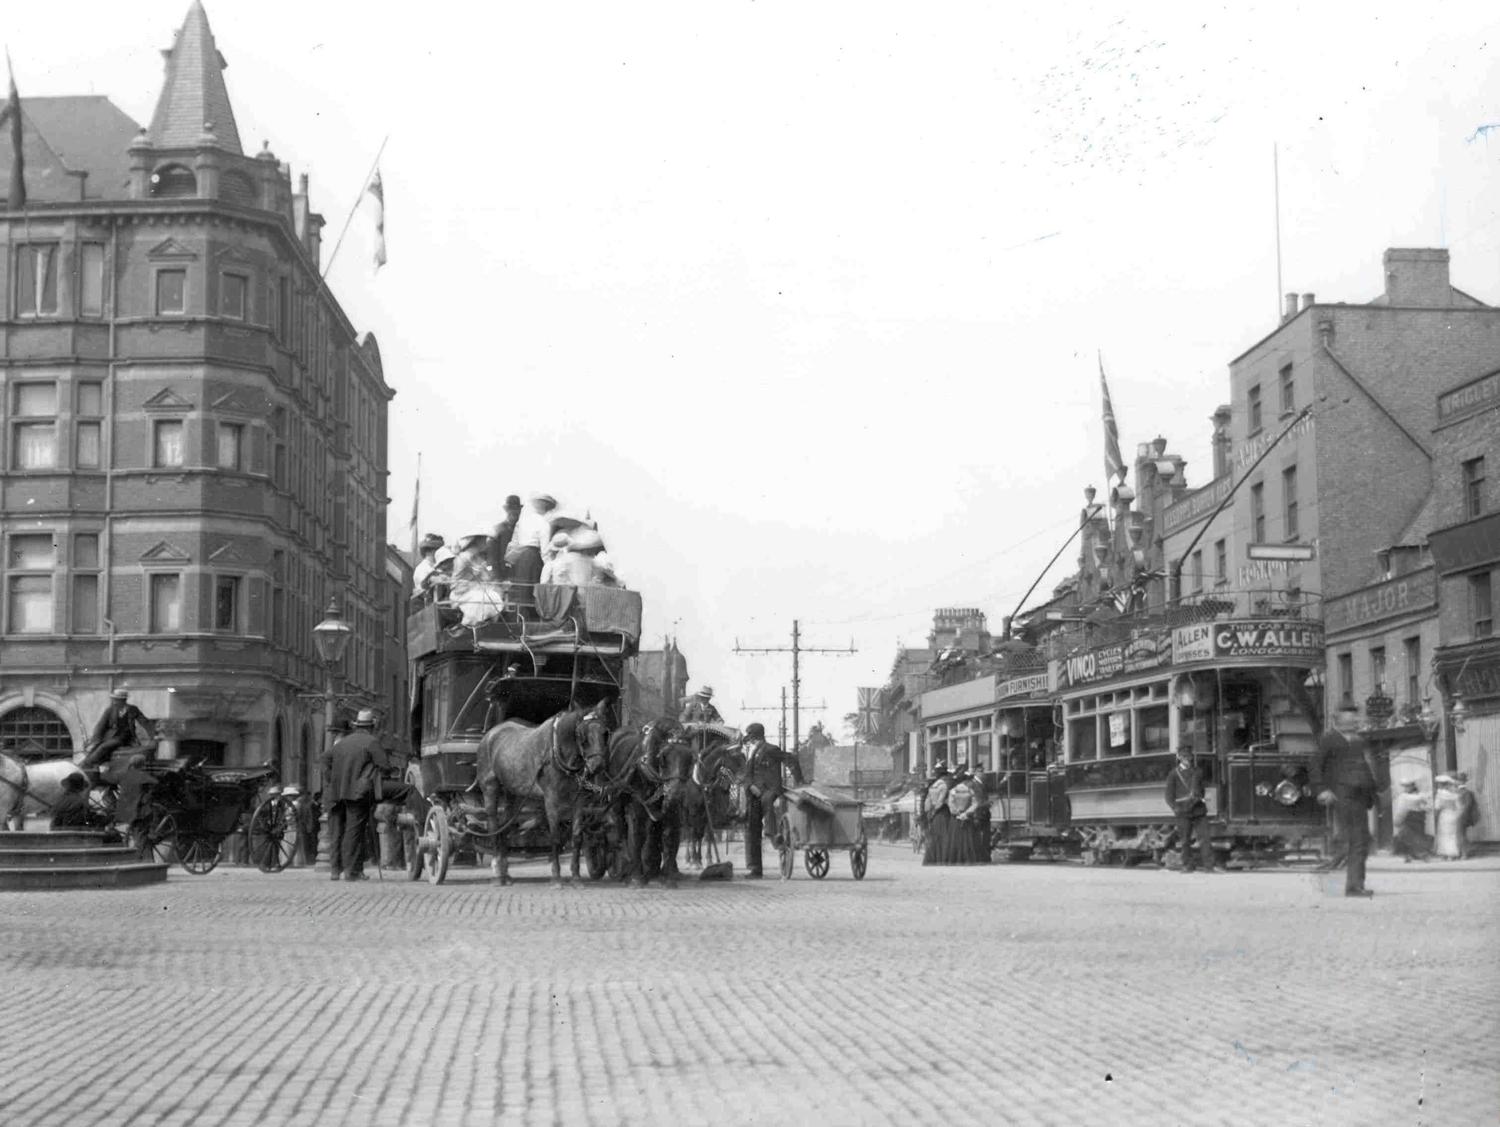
1291, 308
1308, 300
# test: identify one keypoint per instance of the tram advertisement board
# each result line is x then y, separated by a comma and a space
1269, 638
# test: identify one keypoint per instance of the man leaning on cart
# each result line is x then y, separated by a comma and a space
763, 764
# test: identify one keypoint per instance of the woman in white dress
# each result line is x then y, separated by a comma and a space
1447, 814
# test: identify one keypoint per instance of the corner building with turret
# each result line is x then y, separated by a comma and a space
194, 440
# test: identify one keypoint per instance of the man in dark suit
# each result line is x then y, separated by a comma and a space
351, 770
116, 729
763, 765
1344, 777
1185, 797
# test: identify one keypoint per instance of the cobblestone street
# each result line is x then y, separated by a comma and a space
1029, 994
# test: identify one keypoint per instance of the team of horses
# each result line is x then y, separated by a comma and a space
655, 786
649, 783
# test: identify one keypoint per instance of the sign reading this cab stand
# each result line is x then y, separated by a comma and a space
1266, 638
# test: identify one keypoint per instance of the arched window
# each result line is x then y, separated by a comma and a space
238, 188
34, 733
174, 180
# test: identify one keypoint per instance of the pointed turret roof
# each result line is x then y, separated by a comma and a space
194, 93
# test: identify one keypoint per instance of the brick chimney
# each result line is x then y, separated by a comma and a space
1417, 278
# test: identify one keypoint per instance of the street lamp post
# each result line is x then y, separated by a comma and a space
331, 637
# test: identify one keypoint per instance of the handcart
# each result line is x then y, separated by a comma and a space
817, 822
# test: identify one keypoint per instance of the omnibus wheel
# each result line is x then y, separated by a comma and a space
437, 842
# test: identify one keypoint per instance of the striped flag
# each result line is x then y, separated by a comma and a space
377, 189
1114, 465
12, 111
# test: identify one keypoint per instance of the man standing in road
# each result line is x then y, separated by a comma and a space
1185, 797
116, 729
763, 764
351, 772
1344, 777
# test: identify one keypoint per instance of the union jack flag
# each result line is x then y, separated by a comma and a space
869, 710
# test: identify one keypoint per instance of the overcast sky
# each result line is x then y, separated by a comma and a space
802, 301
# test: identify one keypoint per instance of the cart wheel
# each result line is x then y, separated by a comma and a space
198, 855
411, 844
596, 858
273, 835
816, 862
787, 855
155, 842
437, 841
859, 860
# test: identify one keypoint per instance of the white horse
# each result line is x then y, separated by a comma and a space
31, 788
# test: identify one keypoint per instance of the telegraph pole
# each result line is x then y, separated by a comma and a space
797, 649
772, 708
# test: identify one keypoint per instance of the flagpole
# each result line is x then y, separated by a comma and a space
416, 503
374, 164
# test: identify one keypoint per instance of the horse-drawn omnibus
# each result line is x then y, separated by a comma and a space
545, 651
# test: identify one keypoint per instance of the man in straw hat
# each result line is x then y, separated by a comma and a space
351, 773
699, 709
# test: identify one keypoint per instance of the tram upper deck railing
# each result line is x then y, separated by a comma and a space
543, 618
1099, 627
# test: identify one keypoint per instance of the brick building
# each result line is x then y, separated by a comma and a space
1465, 546
195, 438
655, 684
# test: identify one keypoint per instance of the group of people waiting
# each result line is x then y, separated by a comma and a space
536, 543
1454, 809
955, 816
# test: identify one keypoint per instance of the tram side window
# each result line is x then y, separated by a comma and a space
433, 697
469, 701
1083, 739
1156, 736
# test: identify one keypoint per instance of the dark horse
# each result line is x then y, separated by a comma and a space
649, 771
550, 762
708, 800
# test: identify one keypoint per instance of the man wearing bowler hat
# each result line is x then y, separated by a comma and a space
504, 532
763, 764
351, 773
1344, 777
116, 729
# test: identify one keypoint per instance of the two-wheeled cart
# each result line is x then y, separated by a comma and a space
817, 821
